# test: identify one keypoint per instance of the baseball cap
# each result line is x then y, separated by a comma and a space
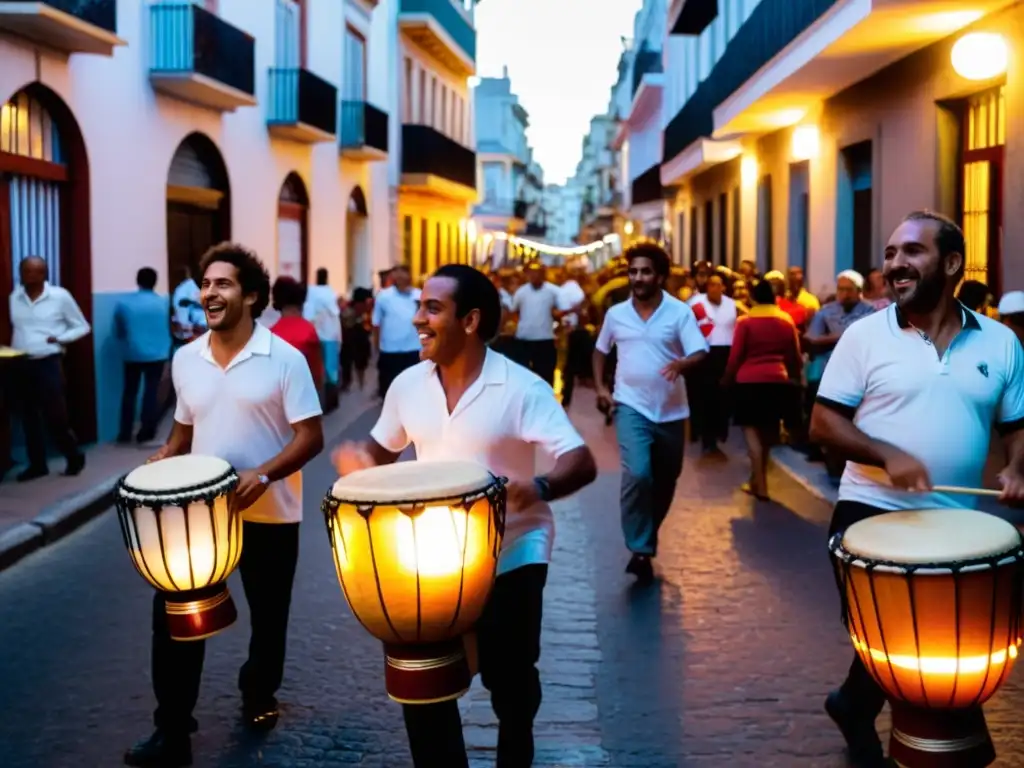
1011, 303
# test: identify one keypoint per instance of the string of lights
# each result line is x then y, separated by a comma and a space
556, 250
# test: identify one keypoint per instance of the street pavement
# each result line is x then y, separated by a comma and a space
725, 660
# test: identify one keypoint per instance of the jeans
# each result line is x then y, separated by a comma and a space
148, 374
332, 355
270, 552
652, 458
42, 400
508, 646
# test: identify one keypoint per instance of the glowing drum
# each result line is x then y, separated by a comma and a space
932, 601
185, 538
416, 547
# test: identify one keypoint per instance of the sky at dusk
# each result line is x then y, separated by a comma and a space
561, 57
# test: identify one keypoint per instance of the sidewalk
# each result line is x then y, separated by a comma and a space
39, 512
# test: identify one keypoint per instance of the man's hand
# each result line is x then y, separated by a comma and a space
522, 495
672, 371
163, 453
351, 457
1013, 486
906, 472
604, 399
250, 488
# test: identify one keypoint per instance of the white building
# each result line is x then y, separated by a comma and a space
136, 134
599, 177
562, 206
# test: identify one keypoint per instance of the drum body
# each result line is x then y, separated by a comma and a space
416, 548
185, 538
932, 602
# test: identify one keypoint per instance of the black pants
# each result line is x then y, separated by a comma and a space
712, 399
541, 357
578, 363
42, 404
860, 689
269, 554
148, 374
390, 364
508, 644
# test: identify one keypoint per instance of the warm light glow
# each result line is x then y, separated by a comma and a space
806, 141
431, 543
785, 117
471, 230
628, 228
940, 665
980, 56
748, 170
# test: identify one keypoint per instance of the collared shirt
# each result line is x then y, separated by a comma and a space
535, 305
499, 423
142, 323
717, 321
53, 313
393, 312
244, 413
570, 295
896, 388
832, 320
321, 309
644, 349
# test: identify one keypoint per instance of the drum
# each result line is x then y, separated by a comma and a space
932, 602
184, 537
416, 547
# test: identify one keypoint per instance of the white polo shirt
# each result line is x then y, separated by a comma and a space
570, 295
535, 306
244, 413
53, 313
719, 324
393, 312
499, 423
893, 385
644, 348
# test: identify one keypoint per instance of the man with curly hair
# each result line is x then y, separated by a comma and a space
245, 396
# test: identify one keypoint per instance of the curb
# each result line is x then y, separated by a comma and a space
57, 520
801, 480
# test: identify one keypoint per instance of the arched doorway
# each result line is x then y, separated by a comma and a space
198, 206
358, 265
44, 211
292, 229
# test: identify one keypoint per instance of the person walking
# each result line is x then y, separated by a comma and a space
321, 309
716, 315
355, 339
537, 304
246, 396
44, 319
764, 373
394, 337
910, 396
467, 402
658, 343
140, 324
288, 297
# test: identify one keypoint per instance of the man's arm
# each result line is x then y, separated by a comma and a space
178, 444
573, 470
602, 348
1011, 426
78, 326
695, 347
307, 441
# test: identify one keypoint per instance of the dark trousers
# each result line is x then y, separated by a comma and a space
148, 374
390, 364
864, 695
508, 645
712, 399
42, 404
578, 362
269, 554
541, 357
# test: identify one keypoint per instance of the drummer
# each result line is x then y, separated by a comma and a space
466, 402
914, 389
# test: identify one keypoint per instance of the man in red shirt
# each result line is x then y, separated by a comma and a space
288, 297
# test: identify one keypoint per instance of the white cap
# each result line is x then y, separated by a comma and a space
775, 275
853, 276
1011, 303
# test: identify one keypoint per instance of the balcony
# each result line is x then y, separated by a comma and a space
72, 26
691, 17
443, 29
199, 58
364, 131
647, 62
303, 107
501, 211
431, 162
646, 187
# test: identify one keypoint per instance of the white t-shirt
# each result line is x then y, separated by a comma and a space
719, 322
393, 312
571, 295
321, 309
499, 423
534, 306
941, 411
244, 413
644, 348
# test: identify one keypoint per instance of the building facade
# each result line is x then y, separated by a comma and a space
800, 132
137, 134
562, 206
433, 168
503, 156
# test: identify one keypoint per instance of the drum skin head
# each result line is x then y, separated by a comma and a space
412, 481
930, 536
176, 472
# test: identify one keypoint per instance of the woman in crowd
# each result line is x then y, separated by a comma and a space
288, 297
355, 338
764, 369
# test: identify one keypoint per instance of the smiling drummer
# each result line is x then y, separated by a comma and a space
465, 402
909, 397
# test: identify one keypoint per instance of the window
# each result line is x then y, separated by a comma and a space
736, 228
421, 118
439, 249
407, 103
432, 117
984, 149
452, 257
354, 88
407, 241
424, 247
289, 37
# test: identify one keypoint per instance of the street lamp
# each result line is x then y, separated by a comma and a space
184, 537
980, 56
932, 602
416, 549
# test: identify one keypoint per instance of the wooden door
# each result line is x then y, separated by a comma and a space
863, 260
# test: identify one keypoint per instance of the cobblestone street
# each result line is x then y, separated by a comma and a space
725, 660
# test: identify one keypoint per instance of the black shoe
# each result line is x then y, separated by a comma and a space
260, 716
160, 750
862, 742
641, 567
76, 463
33, 473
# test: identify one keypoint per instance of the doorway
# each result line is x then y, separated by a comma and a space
358, 264
855, 204
799, 200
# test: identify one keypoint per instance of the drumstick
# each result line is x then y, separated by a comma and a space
966, 491
879, 475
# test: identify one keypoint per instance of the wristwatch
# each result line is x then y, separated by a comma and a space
264, 479
543, 488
